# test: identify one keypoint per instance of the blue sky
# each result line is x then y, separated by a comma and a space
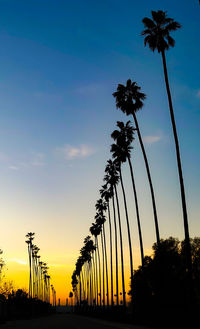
60, 62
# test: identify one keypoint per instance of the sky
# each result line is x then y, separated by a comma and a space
60, 62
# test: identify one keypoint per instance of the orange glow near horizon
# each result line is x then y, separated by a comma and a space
17, 271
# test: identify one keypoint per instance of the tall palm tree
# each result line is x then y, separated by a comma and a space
100, 220
106, 195
117, 157
30, 237
86, 254
157, 37
120, 157
95, 230
112, 172
79, 266
101, 207
110, 187
122, 152
129, 99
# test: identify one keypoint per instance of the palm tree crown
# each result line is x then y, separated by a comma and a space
106, 193
112, 176
123, 137
157, 31
101, 206
129, 98
125, 132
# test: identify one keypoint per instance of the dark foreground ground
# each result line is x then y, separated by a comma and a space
66, 321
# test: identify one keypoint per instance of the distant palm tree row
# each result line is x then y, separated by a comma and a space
95, 280
39, 279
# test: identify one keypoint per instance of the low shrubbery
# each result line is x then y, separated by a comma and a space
18, 305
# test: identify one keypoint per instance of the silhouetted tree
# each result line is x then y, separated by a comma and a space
129, 99
30, 237
101, 207
113, 179
157, 37
1, 264
122, 152
95, 230
118, 159
110, 187
161, 283
124, 137
107, 195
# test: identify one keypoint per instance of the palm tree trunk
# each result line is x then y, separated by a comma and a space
90, 282
137, 212
121, 247
128, 226
42, 289
96, 263
80, 289
149, 178
181, 181
116, 252
111, 262
33, 275
30, 276
99, 269
36, 271
87, 283
94, 282
106, 264
83, 286
103, 261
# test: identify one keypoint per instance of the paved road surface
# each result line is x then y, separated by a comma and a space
66, 321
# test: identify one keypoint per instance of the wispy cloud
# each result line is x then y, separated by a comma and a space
33, 159
18, 261
152, 139
75, 152
13, 167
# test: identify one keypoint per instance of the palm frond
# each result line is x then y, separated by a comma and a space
148, 22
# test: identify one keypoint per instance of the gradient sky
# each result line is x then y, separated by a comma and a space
60, 62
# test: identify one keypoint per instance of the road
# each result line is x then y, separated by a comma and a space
66, 321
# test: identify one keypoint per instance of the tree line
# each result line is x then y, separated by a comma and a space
95, 280
39, 279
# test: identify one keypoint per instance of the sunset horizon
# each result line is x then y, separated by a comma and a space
99, 154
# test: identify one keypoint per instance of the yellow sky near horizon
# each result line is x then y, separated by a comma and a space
17, 271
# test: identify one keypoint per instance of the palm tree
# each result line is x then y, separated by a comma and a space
79, 265
86, 255
119, 152
54, 295
110, 187
101, 206
157, 37
111, 170
129, 99
118, 165
95, 230
74, 283
122, 151
100, 220
30, 237
106, 195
